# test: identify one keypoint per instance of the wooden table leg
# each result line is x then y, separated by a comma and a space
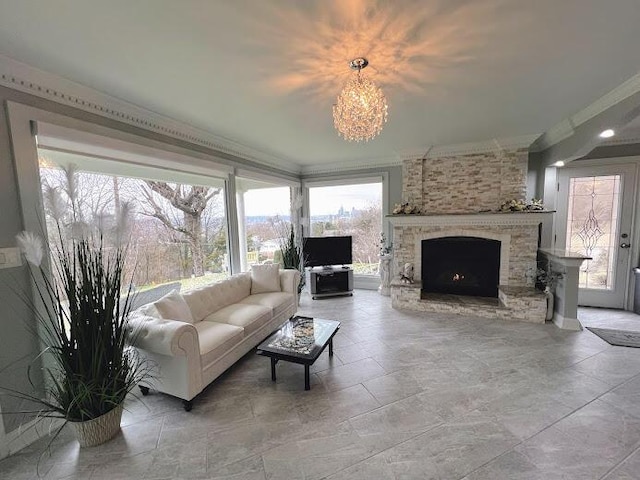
273, 369
307, 386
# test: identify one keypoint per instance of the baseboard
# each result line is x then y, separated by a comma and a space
566, 323
26, 434
366, 282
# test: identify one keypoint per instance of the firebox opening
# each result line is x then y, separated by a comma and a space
461, 266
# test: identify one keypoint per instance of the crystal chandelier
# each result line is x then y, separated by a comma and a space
361, 108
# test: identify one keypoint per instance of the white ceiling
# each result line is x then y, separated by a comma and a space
265, 73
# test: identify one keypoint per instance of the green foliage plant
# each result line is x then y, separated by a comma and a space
81, 306
291, 250
84, 329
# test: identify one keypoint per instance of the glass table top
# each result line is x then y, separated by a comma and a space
302, 337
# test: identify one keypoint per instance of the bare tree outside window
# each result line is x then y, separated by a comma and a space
192, 202
178, 232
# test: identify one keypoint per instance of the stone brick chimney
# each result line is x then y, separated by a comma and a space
465, 183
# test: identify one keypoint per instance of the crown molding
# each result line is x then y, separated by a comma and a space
349, 165
627, 136
28, 79
629, 140
471, 148
559, 132
565, 128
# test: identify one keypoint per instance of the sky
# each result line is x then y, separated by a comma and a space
323, 200
267, 202
328, 200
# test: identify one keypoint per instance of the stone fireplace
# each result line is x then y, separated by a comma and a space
461, 234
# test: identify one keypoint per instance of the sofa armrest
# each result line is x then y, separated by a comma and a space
165, 337
289, 281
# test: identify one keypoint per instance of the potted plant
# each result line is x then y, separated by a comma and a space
548, 279
291, 250
82, 310
83, 328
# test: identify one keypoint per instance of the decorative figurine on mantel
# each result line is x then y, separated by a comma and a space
384, 267
405, 209
522, 206
406, 275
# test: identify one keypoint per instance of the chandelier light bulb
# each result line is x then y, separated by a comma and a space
360, 110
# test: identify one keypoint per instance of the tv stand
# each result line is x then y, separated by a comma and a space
330, 282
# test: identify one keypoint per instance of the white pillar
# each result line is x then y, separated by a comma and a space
565, 313
242, 230
385, 274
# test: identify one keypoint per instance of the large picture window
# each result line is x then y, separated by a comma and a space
264, 211
354, 209
178, 231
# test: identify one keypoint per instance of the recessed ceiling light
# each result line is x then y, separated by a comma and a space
559, 163
608, 133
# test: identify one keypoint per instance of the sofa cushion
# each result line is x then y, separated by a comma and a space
278, 302
148, 310
249, 317
265, 278
173, 307
215, 339
207, 300
234, 288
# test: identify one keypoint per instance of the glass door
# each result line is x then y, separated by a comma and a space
594, 219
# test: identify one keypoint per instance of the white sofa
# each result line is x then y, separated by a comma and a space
226, 321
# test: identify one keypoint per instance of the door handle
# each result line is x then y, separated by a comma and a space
625, 245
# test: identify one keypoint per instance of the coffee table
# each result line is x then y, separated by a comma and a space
299, 340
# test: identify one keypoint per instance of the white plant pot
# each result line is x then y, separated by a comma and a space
98, 430
550, 303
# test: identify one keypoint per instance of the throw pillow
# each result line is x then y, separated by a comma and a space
265, 278
173, 307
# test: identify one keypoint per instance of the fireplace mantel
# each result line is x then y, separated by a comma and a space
491, 218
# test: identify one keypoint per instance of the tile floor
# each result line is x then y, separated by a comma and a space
405, 396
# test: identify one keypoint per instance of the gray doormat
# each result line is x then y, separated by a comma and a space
621, 338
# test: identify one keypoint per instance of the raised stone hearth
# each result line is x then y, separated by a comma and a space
523, 304
461, 195
518, 236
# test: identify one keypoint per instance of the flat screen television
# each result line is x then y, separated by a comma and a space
326, 251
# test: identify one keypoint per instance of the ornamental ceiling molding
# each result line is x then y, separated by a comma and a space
471, 148
566, 127
622, 138
436, 151
22, 77
346, 166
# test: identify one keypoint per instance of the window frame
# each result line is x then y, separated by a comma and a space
23, 122
369, 282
